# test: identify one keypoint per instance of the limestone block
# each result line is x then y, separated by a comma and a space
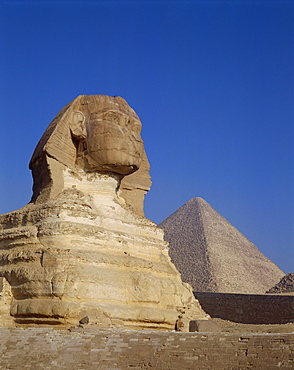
204, 326
5, 302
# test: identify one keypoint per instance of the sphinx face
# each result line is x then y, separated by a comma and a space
113, 141
93, 133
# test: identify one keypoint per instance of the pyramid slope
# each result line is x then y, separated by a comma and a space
285, 285
212, 255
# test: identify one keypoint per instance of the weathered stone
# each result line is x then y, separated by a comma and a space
212, 255
5, 303
110, 348
204, 326
93, 133
84, 320
82, 247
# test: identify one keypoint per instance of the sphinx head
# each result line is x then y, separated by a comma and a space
93, 133
108, 138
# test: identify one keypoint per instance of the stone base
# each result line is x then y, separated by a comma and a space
204, 326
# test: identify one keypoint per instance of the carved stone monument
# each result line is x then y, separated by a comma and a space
82, 247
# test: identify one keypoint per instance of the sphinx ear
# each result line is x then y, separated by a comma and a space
78, 125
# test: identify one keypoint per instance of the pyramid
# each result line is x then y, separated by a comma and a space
285, 285
213, 256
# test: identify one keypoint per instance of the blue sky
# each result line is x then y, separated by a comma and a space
212, 82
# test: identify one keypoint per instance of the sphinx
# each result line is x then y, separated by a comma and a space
82, 247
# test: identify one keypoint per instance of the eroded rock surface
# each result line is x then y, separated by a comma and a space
82, 247
94, 133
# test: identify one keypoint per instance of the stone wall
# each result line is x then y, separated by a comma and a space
96, 348
248, 308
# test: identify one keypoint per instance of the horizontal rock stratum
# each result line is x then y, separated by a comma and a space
212, 255
82, 248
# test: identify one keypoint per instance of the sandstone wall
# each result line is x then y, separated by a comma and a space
43, 348
248, 308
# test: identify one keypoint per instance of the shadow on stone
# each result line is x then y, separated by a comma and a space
204, 326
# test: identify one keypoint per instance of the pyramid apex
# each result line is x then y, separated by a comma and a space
197, 200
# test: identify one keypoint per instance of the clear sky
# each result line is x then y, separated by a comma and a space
212, 82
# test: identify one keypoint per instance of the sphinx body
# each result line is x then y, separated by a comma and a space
82, 246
